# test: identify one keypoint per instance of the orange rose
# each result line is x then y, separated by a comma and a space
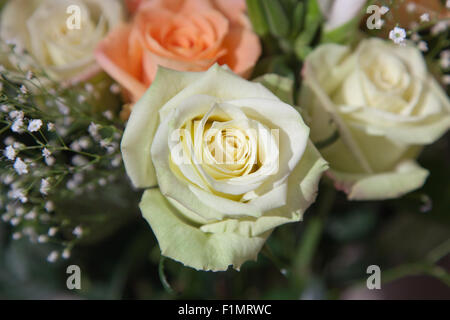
185, 35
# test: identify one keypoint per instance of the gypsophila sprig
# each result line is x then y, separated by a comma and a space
56, 143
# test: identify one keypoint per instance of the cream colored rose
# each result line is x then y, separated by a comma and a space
48, 30
231, 160
383, 105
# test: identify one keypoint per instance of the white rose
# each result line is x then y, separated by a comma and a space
383, 105
48, 31
231, 160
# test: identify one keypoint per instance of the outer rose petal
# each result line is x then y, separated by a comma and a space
406, 177
243, 51
120, 55
143, 122
191, 246
133, 5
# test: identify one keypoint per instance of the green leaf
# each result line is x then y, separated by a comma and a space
276, 17
298, 18
313, 21
280, 86
344, 34
255, 11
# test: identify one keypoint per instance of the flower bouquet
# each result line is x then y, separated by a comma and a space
168, 137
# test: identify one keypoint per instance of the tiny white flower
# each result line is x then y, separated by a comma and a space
14, 221
439, 27
89, 87
75, 146
102, 182
23, 89
16, 114
53, 256
425, 17
411, 7
4, 107
93, 130
415, 37
50, 161
52, 231
84, 142
46, 153
81, 99
35, 125
20, 166
10, 153
79, 161
42, 238
78, 231
115, 88
8, 179
108, 115
446, 79
422, 46
49, 206
8, 141
31, 215
63, 109
66, 253
29, 75
17, 126
115, 162
50, 126
16, 235
45, 187
445, 59
397, 35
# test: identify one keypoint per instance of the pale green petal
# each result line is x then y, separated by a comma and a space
138, 137
186, 243
221, 83
280, 86
407, 176
302, 191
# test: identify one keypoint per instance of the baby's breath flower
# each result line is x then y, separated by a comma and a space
10, 153
52, 231
50, 126
49, 206
53, 256
63, 109
35, 125
14, 221
397, 35
422, 46
114, 88
45, 187
42, 238
4, 107
79, 161
16, 114
46, 153
108, 115
31, 215
93, 130
411, 7
23, 89
17, 126
16, 235
446, 79
50, 160
20, 167
78, 231
425, 17
66, 253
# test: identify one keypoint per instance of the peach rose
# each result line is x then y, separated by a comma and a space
185, 35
